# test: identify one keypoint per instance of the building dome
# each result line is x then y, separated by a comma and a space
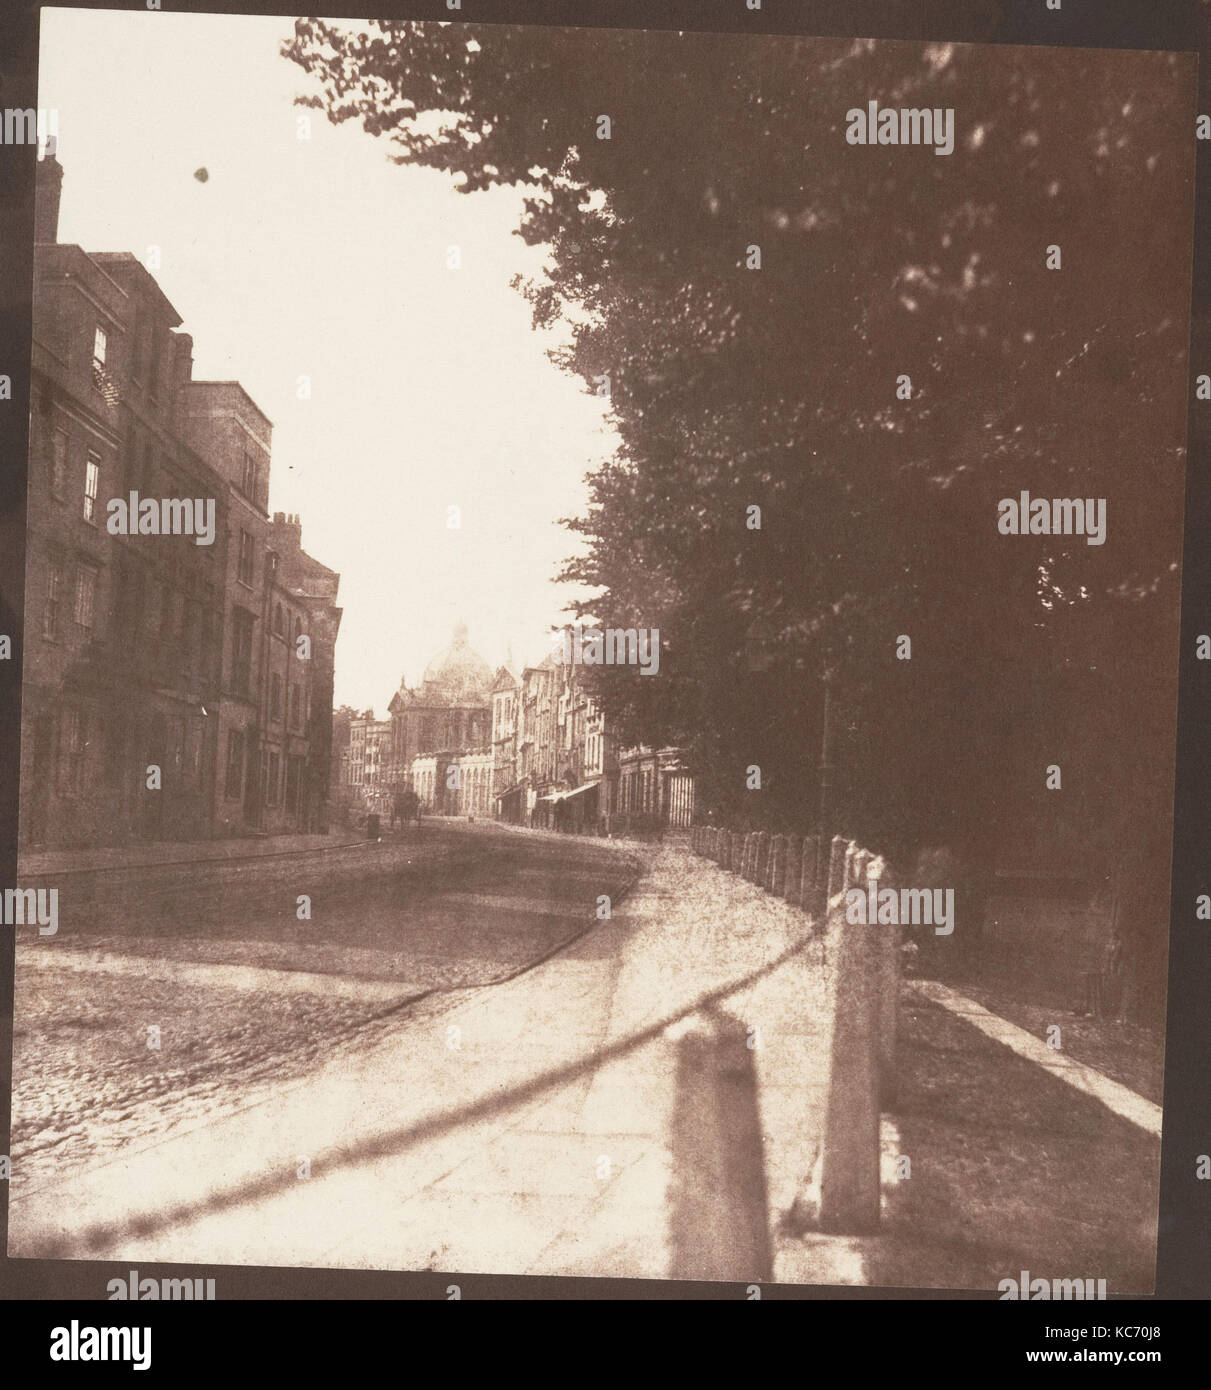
459, 674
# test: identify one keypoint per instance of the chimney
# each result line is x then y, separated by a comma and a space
182, 370
290, 530
46, 200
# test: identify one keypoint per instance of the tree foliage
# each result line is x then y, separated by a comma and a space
734, 387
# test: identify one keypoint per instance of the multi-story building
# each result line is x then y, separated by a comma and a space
367, 768
568, 769
549, 758
450, 709
143, 640
508, 792
303, 627
655, 786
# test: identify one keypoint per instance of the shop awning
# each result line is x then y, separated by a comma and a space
587, 787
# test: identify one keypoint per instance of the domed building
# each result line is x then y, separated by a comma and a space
449, 711
458, 675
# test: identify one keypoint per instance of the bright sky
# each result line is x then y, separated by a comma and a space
319, 257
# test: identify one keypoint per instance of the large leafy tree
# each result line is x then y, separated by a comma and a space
736, 387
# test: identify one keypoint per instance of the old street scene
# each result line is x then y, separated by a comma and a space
593, 785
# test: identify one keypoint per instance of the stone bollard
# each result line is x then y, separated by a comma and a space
862, 857
808, 891
888, 984
846, 1180
776, 878
836, 870
761, 863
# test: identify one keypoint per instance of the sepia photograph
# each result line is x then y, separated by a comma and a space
600, 662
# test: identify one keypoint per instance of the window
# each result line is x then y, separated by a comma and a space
294, 785
279, 625
92, 480
241, 651
235, 764
275, 696
246, 562
294, 708
54, 600
58, 463
100, 376
86, 594
250, 476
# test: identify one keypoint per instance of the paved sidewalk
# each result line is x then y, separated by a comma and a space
1117, 1098
48, 862
597, 1115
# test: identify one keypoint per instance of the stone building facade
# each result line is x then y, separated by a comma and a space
449, 710
143, 652
551, 760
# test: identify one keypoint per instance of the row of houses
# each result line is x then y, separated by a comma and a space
556, 762
178, 669
530, 748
